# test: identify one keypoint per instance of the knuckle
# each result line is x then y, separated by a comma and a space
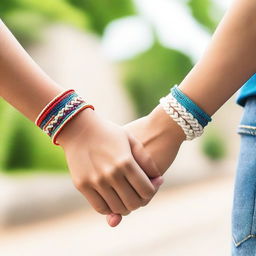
112, 173
97, 181
123, 163
81, 184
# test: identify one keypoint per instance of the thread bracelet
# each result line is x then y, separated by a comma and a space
202, 117
188, 115
59, 111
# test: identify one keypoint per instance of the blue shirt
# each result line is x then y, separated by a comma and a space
247, 90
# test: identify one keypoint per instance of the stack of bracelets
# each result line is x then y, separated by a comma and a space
59, 112
190, 117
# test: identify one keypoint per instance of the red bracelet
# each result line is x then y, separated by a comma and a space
51, 105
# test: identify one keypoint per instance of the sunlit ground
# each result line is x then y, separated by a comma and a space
193, 220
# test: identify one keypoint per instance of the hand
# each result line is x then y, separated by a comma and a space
161, 138
160, 135
100, 159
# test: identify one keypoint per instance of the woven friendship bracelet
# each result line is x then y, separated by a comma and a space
45, 110
202, 117
190, 117
175, 116
59, 112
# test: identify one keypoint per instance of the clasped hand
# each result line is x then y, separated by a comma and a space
119, 169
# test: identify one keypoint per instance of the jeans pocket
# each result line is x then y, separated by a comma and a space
244, 202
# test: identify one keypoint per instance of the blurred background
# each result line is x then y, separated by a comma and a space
127, 54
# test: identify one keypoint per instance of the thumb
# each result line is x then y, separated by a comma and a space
113, 219
157, 182
142, 157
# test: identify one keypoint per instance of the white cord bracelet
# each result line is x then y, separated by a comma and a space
184, 119
190, 135
197, 128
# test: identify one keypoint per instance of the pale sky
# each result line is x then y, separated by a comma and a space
175, 27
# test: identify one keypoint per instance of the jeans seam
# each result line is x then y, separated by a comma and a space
243, 240
247, 126
247, 132
253, 212
250, 235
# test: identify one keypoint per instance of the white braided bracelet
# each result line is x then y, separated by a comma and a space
184, 119
196, 127
178, 119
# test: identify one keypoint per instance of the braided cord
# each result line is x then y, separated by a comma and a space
178, 119
197, 128
66, 120
56, 108
202, 117
62, 114
59, 111
45, 110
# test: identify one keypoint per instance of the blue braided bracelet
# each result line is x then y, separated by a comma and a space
202, 117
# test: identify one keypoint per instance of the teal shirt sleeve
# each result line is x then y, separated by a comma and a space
247, 90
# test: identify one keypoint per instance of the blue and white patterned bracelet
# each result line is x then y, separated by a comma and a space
59, 112
185, 112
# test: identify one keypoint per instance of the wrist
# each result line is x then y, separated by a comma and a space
84, 121
165, 125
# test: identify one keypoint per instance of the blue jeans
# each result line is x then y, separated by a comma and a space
244, 202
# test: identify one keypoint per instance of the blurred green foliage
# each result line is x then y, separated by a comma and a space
26, 18
147, 77
213, 144
23, 145
101, 12
206, 12
150, 75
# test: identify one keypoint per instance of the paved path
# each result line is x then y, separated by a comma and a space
182, 221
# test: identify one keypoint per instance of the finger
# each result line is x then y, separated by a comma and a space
127, 194
96, 200
157, 182
112, 199
140, 181
113, 219
143, 158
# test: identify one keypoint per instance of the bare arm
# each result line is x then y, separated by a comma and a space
23, 84
100, 155
229, 61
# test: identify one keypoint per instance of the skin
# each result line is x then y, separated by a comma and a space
229, 61
227, 64
108, 166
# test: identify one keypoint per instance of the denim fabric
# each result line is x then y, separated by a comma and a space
244, 208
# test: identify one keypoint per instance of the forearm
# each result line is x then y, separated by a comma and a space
23, 84
229, 61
